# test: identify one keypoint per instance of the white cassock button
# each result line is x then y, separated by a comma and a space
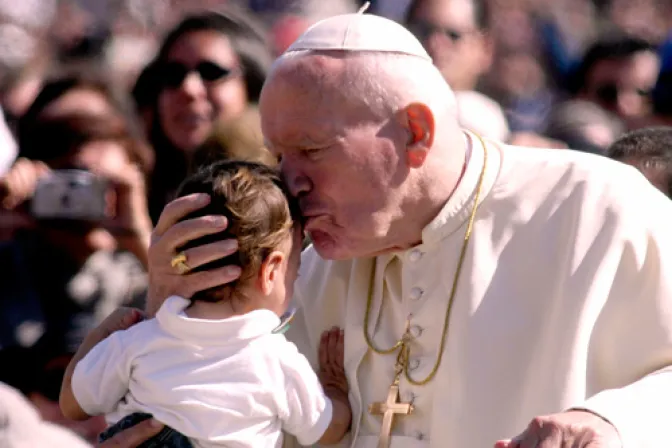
416, 293
419, 435
415, 255
410, 397
414, 364
416, 331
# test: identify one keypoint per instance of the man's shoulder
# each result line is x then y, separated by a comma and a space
569, 185
563, 171
582, 163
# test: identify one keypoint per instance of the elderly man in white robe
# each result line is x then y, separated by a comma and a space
490, 295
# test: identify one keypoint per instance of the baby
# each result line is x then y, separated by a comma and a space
215, 369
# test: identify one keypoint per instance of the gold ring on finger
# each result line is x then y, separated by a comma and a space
179, 262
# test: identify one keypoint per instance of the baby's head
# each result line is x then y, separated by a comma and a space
264, 220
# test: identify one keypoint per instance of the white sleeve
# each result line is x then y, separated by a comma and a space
632, 340
307, 411
101, 378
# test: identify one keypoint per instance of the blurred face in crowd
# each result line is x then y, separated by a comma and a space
79, 100
451, 35
623, 86
202, 83
339, 160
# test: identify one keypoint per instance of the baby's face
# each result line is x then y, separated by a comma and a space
293, 262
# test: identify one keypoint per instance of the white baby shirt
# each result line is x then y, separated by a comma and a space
229, 382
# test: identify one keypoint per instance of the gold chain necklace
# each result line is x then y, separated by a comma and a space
403, 344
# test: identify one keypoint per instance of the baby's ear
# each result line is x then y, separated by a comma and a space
270, 272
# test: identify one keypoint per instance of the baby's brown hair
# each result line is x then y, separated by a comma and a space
260, 211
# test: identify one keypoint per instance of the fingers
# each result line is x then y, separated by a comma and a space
331, 351
133, 436
198, 256
121, 319
334, 354
199, 281
323, 351
191, 229
20, 182
178, 209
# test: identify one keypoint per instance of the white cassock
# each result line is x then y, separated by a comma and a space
565, 300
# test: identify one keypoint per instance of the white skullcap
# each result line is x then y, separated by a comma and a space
359, 32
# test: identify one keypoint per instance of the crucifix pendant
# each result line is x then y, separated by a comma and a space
388, 410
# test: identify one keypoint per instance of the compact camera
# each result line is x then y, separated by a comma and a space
70, 194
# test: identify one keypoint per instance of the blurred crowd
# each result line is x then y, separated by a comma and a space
107, 105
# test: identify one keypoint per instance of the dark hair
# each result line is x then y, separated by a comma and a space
52, 138
260, 212
653, 146
247, 38
62, 82
482, 17
613, 45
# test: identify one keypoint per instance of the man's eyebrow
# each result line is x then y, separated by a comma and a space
303, 141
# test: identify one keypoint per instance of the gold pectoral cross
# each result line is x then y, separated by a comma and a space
392, 406
388, 410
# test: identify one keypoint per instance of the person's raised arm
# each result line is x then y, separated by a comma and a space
169, 235
120, 319
318, 409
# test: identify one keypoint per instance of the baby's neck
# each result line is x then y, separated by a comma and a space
212, 311
218, 310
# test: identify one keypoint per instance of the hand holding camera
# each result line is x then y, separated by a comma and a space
70, 195
115, 199
19, 184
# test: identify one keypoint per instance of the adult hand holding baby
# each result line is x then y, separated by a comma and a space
169, 234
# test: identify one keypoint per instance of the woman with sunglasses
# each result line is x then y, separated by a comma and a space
209, 69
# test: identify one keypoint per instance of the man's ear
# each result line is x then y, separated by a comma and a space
418, 120
269, 272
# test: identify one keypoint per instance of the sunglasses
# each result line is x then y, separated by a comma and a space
173, 74
423, 30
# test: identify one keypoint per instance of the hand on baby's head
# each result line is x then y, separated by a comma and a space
260, 213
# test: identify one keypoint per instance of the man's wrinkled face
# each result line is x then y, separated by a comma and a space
341, 164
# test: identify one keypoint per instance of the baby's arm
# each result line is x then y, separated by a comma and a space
335, 385
97, 376
316, 407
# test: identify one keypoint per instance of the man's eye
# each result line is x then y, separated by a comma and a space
312, 151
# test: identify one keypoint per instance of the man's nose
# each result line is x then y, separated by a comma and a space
297, 181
